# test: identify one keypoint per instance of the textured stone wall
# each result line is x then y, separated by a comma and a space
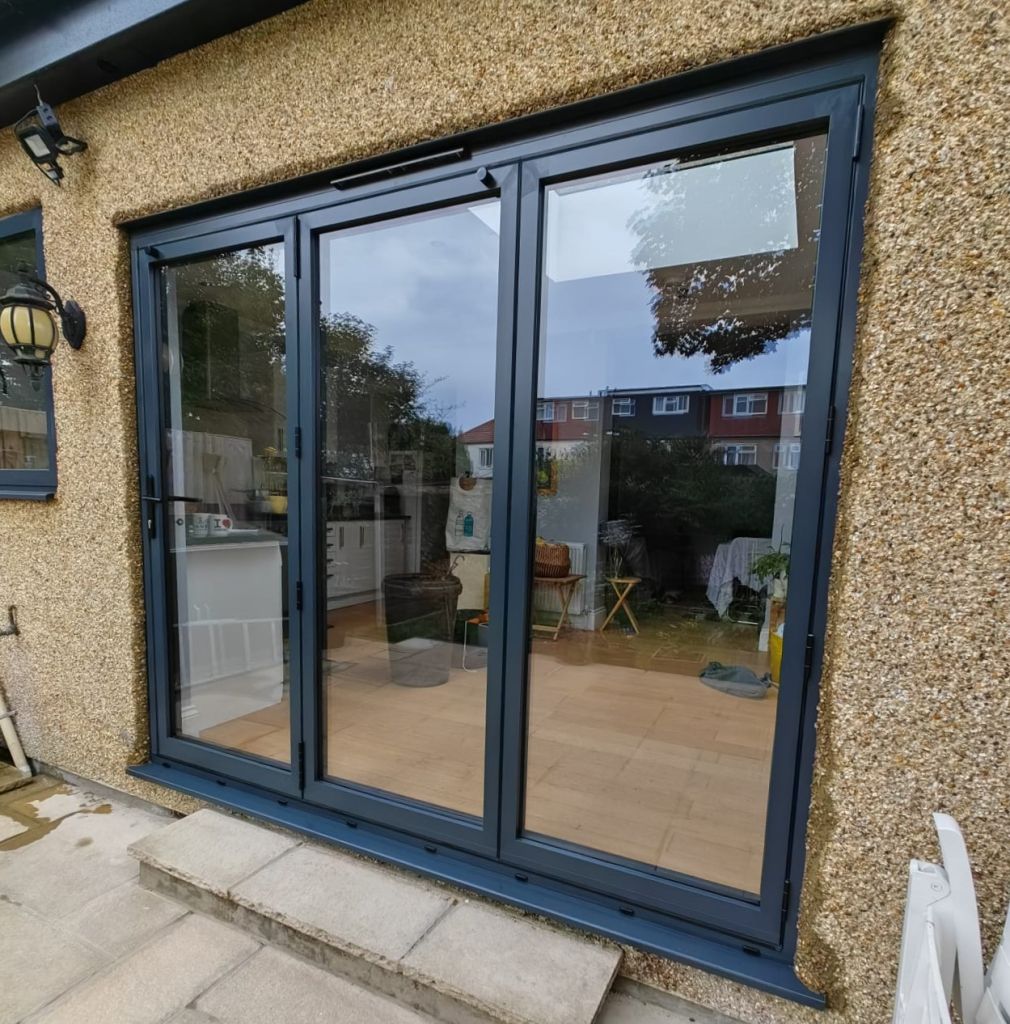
915, 713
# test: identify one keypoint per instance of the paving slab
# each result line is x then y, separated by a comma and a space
158, 979
632, 1002
274, 987
121, 919
191, 1016
37, 962
211, 850
347, 903
515, 969
9, 828
624, 1009
70, 861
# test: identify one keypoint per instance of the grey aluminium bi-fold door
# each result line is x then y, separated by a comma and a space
488, 508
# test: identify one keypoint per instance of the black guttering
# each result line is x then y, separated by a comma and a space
71, 47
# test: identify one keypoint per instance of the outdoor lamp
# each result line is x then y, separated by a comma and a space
28, 327
43, 139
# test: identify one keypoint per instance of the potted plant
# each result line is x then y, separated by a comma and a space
275, 471
773, 570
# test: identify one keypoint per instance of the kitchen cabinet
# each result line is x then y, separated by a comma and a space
360, 553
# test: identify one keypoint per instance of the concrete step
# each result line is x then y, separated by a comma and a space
459, 960
13, 778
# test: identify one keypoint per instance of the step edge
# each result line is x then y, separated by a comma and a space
445, 1002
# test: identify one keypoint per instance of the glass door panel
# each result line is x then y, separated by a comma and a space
674, 338
408, 340
225, 442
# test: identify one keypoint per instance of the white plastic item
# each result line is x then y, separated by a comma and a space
11, 740
941, 943
995, 1007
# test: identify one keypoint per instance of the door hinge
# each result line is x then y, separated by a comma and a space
298, 442
829, 434
299, 595
301, 765
787, 890
808, 657
857, 142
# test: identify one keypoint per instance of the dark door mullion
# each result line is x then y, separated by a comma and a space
758, 916
169, 747
354, 800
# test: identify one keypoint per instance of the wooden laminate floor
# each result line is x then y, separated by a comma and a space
628, 752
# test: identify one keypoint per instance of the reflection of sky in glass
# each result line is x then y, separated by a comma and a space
600, 332
428, 284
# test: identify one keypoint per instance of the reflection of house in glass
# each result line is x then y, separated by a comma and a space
746, 426
691, 468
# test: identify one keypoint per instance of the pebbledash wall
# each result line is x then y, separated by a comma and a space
915, 705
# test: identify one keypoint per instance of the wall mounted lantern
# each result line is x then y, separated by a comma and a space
43, 139
28, 327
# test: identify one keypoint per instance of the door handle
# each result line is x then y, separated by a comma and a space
151, 499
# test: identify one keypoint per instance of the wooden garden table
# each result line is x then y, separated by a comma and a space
623, 586
566, 586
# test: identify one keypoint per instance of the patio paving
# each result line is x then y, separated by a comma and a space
81, 940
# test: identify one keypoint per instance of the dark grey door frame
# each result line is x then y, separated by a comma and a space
156, 502
434, 824
767, 94
837, 112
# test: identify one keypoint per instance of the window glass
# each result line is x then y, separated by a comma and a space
225, 453
409, 336
25, 401
660, 573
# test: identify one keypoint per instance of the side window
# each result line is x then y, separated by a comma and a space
27, 447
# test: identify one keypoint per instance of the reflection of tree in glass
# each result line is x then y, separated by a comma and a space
231, 318
676, 488
369, 391
736, 308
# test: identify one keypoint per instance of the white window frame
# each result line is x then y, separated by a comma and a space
791, 451
795, 397
543, 409
661, 405
745, 403
583, 409
486, 457
729, 454
623, 407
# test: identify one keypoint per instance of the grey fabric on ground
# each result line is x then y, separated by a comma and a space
735, 680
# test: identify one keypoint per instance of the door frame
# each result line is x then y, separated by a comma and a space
155, 503
434, 824
834, 111
795, 72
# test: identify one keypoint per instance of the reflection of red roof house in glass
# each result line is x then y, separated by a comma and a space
755, 426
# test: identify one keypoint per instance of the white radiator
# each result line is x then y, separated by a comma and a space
548, 599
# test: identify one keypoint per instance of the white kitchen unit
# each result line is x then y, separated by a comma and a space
231, 629
360, 553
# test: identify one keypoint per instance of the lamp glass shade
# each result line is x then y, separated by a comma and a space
37, 145
29, 331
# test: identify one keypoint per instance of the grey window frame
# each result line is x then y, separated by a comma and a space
32, 484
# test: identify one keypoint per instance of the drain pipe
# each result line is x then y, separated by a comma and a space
10, 734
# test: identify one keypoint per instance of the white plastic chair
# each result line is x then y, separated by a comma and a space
995, 1006
941, 944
